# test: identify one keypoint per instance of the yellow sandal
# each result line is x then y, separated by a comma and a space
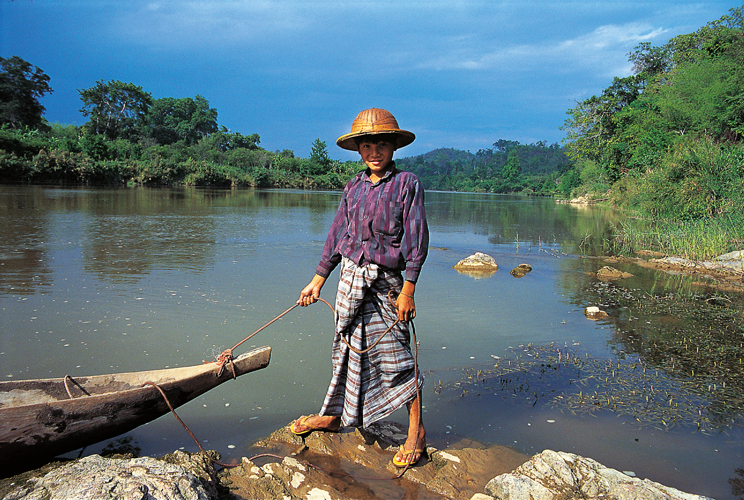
406, 456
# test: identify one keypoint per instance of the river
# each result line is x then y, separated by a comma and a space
96, 281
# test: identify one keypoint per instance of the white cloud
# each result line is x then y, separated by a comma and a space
605, 49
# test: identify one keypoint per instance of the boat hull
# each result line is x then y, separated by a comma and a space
39, 420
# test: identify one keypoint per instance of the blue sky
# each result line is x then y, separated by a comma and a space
459, 74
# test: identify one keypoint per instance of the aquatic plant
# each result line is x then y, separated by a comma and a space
678, 361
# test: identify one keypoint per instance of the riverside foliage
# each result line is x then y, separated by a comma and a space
667, 141
132, 138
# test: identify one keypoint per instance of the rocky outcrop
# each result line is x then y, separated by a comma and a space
554, 475
97, 478
732, 261
350, 464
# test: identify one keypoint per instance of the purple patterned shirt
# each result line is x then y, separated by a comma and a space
382, 223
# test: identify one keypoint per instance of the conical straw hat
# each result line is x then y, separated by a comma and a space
375, 121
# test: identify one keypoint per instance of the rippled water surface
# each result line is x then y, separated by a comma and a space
96, 281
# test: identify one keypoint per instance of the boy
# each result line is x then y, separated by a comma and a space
379, 231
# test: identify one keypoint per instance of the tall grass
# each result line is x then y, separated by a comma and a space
700, 239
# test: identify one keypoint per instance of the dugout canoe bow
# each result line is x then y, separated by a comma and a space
43, 418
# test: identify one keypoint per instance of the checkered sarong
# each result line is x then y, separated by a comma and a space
370, 386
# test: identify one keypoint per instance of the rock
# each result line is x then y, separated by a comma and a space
453, 473
732, 260
595, 313
650, 253
520, 270
340, 466
96, 478
478, 265
675, 261
610, 273
581, 200
554, 475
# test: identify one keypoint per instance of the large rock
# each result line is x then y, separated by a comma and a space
478, 265
98, 478
732, 260
554, 475
365, 456
610, 273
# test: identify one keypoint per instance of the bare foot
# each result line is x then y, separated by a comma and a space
306, 425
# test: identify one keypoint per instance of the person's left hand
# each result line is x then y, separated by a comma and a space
406, 307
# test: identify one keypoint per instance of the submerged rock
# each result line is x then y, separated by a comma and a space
554, 475
610, 273
368, 452
521, 270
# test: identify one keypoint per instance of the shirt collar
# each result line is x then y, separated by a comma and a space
385, 177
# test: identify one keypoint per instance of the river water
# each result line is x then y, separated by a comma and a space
96, 281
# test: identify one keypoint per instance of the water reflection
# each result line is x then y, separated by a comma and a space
24, 228
520, 221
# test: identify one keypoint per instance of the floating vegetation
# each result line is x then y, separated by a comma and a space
677, 362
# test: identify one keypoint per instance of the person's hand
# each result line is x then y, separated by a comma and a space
311, 293
406, 307
404, 303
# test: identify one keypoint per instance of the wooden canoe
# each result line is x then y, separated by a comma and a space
39, 420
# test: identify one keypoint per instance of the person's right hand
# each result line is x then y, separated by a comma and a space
311, 293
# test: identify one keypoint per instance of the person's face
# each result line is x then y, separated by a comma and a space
377, 156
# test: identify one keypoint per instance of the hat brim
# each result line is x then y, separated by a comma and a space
404, 138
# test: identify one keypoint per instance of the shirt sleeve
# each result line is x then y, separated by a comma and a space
331, 256
416, 236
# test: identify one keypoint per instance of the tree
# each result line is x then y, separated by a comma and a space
21, 86
513, 168
170, 120
116, 109
319, 153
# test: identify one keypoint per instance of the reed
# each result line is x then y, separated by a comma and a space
699, 239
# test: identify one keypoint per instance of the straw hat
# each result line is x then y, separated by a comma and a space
375, 121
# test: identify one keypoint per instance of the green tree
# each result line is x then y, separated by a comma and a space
319, 153
21, 86
513, 168
116, 109
186, 119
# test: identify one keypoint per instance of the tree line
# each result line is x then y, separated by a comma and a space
132, 138
508, 167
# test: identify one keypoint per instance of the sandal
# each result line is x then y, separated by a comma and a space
302, 422
405, 456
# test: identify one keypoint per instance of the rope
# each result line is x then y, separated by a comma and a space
67, 388
226, 357
173, 411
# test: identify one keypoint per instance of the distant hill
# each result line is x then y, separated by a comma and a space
508, 167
